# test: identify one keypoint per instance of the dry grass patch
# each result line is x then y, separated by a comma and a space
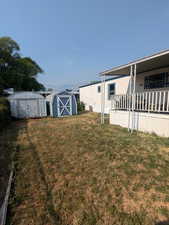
74, 171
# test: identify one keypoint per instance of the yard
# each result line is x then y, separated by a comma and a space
74, 171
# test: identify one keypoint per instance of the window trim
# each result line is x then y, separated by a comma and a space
108, 86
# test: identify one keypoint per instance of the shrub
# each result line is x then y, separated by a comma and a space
80, 106
4, 112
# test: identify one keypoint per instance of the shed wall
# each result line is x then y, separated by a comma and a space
27, 108
54, 105
74, 105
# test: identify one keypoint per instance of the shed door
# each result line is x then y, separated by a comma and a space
64, 105
28, 108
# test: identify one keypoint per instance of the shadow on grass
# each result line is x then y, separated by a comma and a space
8, 137
8, 152
16, 199
49, 206
163, 223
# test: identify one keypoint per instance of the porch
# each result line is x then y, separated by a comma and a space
145, 105
146, 111
148, 101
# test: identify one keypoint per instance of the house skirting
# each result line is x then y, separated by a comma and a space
142, 121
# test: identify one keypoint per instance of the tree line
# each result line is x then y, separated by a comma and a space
16, 71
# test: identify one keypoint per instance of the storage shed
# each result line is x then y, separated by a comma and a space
27, 105
62, 104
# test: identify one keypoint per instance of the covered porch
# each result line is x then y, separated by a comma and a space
145, 105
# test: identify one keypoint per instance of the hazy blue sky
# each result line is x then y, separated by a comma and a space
74, 40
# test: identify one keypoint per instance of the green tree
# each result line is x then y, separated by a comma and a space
9, 45
16, 71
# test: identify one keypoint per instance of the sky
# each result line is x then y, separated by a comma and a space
74, 40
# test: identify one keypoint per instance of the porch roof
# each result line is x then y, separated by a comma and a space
149, 63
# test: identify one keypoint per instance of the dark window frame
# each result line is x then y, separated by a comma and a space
160, 80
113, 91
99, 89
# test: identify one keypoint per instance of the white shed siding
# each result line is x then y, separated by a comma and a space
42, 108
91, 98
27, 105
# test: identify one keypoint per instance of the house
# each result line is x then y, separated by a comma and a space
144, 105
90, 94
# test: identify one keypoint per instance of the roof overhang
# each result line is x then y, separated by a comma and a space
149, 63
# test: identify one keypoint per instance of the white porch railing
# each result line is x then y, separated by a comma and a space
156, 101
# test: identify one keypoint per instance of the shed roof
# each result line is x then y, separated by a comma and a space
51, 96
25, 95
65, 93
148, 63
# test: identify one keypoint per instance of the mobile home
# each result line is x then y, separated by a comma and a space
145, 105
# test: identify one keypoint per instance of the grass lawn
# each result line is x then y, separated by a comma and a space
74, 171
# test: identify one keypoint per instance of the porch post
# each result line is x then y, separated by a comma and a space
134, 98
101, 115
102, 99
130, 91
134, 81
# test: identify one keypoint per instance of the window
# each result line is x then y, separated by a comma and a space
99, 89
160, 80
111, 90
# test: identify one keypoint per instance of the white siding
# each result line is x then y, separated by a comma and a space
27, 105
92, 99
147, 122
